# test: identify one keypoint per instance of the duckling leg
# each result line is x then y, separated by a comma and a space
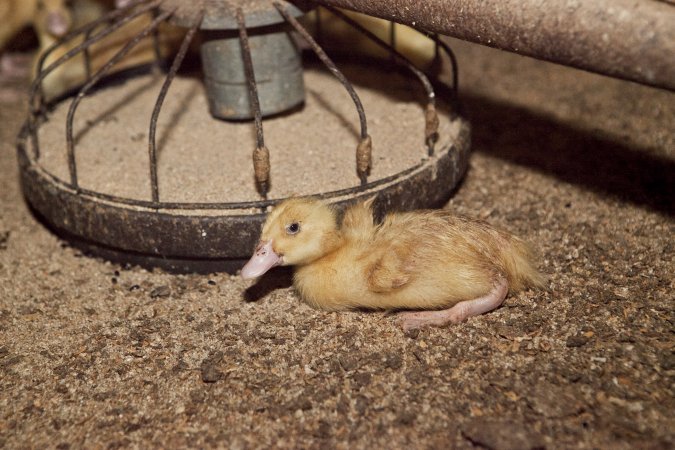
459, 312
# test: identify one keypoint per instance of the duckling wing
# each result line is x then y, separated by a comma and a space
401, 245
391, 270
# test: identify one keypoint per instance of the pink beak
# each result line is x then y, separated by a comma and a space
262, 260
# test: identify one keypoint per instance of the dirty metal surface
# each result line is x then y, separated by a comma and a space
628, 39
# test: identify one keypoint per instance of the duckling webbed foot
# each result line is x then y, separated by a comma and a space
411, 320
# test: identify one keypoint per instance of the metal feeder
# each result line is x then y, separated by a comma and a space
251, 69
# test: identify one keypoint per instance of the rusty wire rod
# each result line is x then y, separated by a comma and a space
152, 142
70, 142
365, 146
87, 56
430, 114
43, 72
453, 62
261, 154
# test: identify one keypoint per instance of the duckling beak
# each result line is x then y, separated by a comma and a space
262, 260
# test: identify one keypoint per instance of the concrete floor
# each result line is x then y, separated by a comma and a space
94, 355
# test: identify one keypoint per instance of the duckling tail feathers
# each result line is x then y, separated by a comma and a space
518, 261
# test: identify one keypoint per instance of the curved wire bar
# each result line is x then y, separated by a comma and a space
70, 142
431, 118
250, 77
43, 72
453, 62
87, 58
261, 155
36, 87
152, 142
364, 149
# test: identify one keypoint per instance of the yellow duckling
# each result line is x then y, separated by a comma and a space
453, 267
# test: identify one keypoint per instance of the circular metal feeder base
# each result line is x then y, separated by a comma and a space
208, 237
208, 243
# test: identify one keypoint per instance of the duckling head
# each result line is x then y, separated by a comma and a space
296, 232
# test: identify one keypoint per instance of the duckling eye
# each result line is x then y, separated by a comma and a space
293, 228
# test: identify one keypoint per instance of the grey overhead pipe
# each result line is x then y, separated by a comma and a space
628, 39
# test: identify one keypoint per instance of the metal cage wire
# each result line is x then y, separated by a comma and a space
117, 19
192, 235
